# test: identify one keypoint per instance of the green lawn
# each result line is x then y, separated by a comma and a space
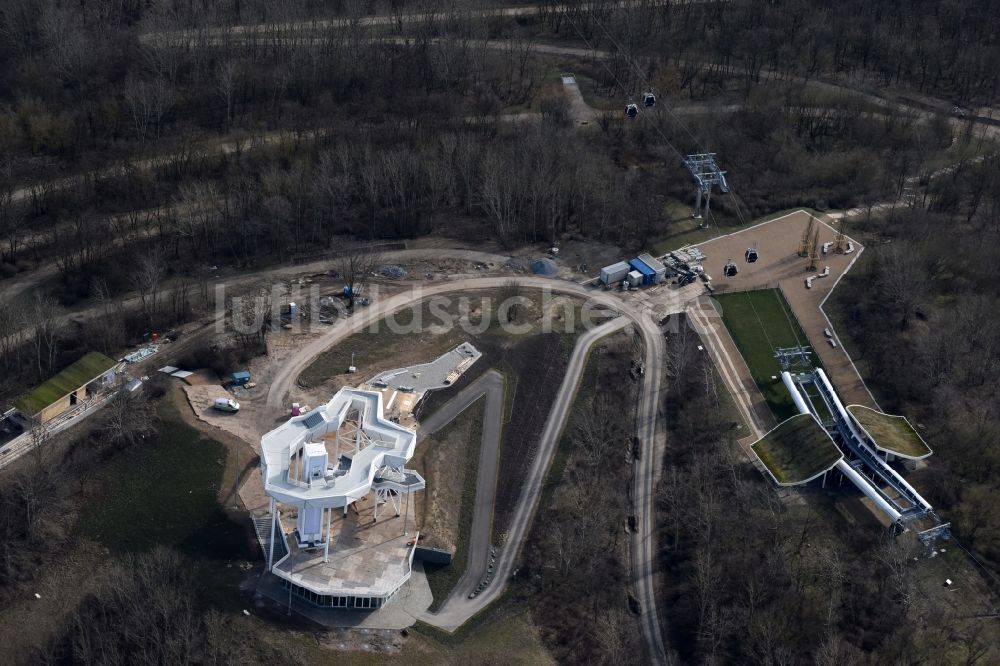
165, 492
797, 450
759, 322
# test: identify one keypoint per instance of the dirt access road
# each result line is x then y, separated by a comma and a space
459, 607
182, 38
647, 419
491, 385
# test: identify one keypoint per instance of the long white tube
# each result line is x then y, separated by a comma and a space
850, 424
866, 487
797, 398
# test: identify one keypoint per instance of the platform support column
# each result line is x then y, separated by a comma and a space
824, 478
697, 205
326, 546
270, 547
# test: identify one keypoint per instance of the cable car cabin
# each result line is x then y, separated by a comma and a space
631, 110
751, 255
730, 269
649, 99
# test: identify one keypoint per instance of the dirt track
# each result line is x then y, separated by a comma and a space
490, 384
654, 440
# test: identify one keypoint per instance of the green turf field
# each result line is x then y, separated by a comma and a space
761, 321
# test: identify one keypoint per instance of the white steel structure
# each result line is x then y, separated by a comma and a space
906, 503
320, 464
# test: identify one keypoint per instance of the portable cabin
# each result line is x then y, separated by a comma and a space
240, 378
634, 278
658, 268
648, 274
614, 273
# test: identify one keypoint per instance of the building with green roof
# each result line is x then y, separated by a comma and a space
70, 387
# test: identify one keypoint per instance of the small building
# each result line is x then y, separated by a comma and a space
614, 273
634, 278
239, 378
90, 374
659, 269
648, 274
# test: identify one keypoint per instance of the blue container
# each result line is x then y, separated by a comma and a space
648, 274
240, 378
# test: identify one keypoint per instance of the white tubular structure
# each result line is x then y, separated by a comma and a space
882, 465
797, 398
868, 489
861, 482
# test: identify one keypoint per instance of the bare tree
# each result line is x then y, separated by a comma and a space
501, 195
148, 103
356, 263
147, 275
43, 323
227, 78
250, 319
128, 417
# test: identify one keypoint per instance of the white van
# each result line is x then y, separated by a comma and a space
226, 405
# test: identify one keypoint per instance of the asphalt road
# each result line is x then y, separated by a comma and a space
491, 385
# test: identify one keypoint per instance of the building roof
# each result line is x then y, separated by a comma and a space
797, 451
383, 443
640, 265
614, 268
890, 433
652, 262
81, 373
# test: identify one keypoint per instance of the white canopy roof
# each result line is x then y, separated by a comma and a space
378, 442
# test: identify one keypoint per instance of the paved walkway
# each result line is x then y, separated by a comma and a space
780, 266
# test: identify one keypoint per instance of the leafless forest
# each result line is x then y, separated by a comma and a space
144, 145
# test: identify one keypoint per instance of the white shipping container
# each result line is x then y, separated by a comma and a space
614, 273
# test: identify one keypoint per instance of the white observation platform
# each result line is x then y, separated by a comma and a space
321, 464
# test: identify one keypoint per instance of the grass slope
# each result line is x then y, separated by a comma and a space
463, 437
797, 450
165, 492
760, 321
892, 433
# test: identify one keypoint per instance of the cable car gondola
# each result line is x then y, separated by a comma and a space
631, 110
649, 99
751, 254
730, 269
